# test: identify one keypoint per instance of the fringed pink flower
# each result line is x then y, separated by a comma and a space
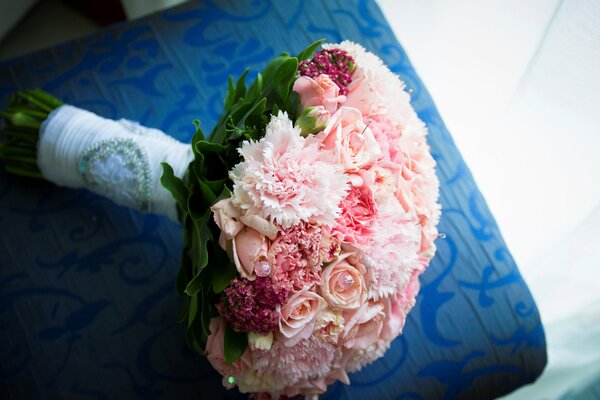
282, 178
358, 212
308, 360
295, 256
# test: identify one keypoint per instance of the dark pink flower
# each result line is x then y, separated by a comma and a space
251, 306
336, 63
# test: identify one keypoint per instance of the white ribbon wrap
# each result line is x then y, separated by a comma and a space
119, 160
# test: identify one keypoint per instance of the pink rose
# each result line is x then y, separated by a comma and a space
329, 324
260, 224
350, 139
298, 316
330, 248
363, 326
249, 248
321, 91
343, 285
226, 216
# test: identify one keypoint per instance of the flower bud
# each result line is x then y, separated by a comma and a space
313, 120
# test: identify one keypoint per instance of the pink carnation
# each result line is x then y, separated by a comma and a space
392, 251
308, 360
358, 211
296, 256
419, 173
397, 307
387, 135
283, 178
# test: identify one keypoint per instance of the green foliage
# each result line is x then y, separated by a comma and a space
26, 111
234, 344
309, 50
206, 269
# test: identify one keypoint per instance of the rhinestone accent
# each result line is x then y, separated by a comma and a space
262, 269
345, 281
118, 168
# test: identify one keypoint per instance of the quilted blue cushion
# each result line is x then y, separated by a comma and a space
87, 301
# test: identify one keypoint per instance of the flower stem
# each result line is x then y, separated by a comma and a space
26, 111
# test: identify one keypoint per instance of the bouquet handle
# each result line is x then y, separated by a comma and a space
120, 160
74, 148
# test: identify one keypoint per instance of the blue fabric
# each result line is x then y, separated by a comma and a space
87, 299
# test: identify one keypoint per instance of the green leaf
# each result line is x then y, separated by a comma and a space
199, 133
309, 50
234, 344
222, 276
193, 309
240, 87
225, 193
216, 186
270, 69
292, 105
207, 298
254, 114
208, 197
223, 270
184, 274
256, 89
230, 94
174, 185
282, 73
195, 285
203, 146
201, 234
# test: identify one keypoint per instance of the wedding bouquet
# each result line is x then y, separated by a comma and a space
308, 213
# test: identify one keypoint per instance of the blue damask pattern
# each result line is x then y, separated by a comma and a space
87, 301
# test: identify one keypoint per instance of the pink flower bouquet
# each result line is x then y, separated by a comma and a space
308, 214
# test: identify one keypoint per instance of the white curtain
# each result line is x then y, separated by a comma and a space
518, 84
